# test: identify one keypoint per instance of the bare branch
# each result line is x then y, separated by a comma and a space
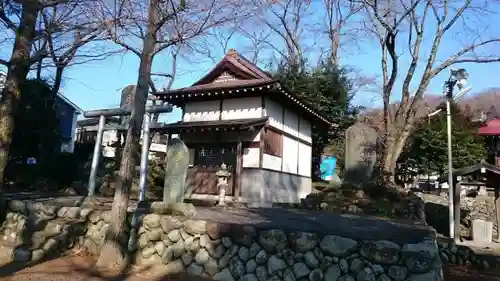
457, 57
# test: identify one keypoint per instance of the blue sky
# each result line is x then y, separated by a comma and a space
98, 84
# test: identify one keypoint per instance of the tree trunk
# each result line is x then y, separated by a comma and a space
57, 80
388, 164
393, 147
114, 251
16, 77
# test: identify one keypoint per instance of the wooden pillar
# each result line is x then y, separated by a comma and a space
239, 168
456, 205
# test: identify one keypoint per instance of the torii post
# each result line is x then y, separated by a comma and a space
102, 114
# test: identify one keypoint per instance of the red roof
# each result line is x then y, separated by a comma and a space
492, 128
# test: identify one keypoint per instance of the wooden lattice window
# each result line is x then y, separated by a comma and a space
211, 157
273, 143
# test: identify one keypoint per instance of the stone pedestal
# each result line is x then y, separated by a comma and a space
222, 174
482, 231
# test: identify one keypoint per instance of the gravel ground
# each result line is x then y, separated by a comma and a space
81, 268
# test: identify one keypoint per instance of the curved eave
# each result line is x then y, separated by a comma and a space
304, 106
184, 95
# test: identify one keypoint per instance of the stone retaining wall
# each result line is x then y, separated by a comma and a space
451, 253
221, 251
481, 207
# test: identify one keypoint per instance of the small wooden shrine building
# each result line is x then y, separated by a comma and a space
484, 174
239, 115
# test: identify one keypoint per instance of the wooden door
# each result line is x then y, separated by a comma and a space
201, 177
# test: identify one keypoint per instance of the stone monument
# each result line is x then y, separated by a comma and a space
177, 163
360, 153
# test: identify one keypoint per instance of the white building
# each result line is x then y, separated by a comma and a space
87, 132
239, 115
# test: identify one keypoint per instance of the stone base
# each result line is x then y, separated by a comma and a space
220, 250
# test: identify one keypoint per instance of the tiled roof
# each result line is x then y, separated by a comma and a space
234, 75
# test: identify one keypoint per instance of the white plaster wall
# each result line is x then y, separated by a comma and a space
291, 123
252, 188
202, 111
242, 108
284, 188
108, 151
271, 162
108, 137
275, 113
158, 147
251, 157
305, 160
290, 157
305, 131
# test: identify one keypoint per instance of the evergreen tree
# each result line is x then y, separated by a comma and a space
328, 89
427, 150
36, 133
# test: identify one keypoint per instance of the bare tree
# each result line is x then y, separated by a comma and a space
159, 26
19, 18
259, 40
68, 40
18, 68
401, 26
339, 16
288, 22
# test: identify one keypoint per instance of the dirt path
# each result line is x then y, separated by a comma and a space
462, 273
81, 268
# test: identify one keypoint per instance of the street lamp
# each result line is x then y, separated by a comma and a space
458, 77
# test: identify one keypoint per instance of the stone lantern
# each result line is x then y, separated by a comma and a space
222, 174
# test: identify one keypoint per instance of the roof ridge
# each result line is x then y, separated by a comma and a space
239, 64
253, 67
